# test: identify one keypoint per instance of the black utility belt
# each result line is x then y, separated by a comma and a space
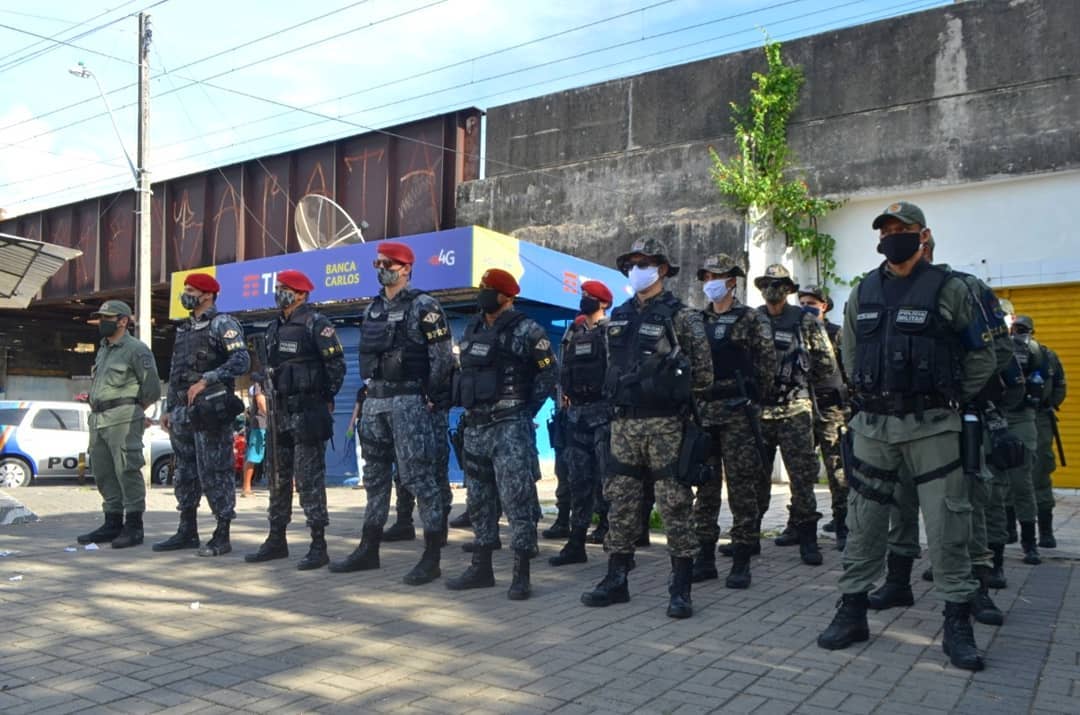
626, 412
109, 404
898, 405
797, 393
378, 388
830, 398
478, 418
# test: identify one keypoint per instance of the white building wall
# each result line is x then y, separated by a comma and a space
1009, 233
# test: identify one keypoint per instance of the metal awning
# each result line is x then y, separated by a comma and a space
26, 265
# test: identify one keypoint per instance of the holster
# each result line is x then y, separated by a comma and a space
693, 469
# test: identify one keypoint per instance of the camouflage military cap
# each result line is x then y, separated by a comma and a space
651, 247
1024, 321
903, 210
113, 308
720, 264
775, 272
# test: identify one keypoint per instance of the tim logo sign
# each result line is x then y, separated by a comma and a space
443, 258
257, 284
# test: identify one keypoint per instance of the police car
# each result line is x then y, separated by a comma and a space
50, 439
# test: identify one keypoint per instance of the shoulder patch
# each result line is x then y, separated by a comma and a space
230, 334
431, 317
327, 332
543, 344
147, 361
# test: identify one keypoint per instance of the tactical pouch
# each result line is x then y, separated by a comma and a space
693, 469
556, 427
316, 424
1006, 450
214, 408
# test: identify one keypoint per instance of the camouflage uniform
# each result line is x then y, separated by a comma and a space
396, 425
831, 414
309, 368
210, 347
501, 460
742, 341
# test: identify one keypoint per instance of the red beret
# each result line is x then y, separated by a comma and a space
397, 251
501, 281
295, 280
204, 282
597, 290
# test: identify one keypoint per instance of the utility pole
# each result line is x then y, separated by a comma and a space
144, 277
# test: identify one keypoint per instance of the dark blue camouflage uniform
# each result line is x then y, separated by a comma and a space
399, 428
209, 347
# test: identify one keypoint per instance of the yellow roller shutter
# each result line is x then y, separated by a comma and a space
1053, 308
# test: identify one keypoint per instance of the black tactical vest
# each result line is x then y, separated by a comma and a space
793, 359
194, 353
902, 346
490, 370
729, 358
386, 350
643, 370
292, 352
1031, 364
832, 387
584, 364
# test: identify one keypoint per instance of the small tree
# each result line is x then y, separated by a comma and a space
756, 179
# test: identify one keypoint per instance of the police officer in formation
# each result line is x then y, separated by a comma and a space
587, 415
208, 355
124, 382
659, 361
804, 359
744, 367
915, 349
508, 371
1003, 390
406, 356
308, 368
830, 413
1053, 394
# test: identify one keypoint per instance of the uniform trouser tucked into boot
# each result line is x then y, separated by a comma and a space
219, 544
1014, 485
587, 439
828, 425
1042, 479
886, 470
304, 463
793, 435
204, 466
186, 536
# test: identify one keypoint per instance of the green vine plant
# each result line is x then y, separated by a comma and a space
759, 174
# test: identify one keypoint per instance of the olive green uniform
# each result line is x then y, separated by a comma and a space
1045, 458
125, 381
911, 449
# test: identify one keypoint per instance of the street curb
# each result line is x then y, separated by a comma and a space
13, 511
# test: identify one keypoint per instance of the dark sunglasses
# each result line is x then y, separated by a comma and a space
384, 264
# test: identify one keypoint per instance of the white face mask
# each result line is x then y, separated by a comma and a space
642, 278
1008, 321
715, 290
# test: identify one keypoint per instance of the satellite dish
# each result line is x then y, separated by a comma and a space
321, 223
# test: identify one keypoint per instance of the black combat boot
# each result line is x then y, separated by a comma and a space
997, 576
705, 563
428, 569
402, 529
740, 567
958, 640
477, 575
114, 524
679, 605
316, 557
598, 534
928, 574
840, 523
728, 549
470, 547
219, 543
982, 606
789, 536
1046, 530
519, 587
561, 528
461, 521
132, 533
573, 552
613, 588
1010, 525
1027, 543
896, 591
186, 536
830, 526
848, 625
808, 547
275, 547
365, 556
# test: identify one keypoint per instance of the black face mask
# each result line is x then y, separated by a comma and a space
589, 305
488, 300
898, 247
106, 328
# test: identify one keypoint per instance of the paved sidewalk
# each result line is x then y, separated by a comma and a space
134, 631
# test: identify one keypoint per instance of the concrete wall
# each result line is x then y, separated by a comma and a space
973, 92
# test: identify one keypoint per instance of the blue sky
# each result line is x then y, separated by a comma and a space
233, 79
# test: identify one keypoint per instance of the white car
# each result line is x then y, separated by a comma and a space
50, 439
